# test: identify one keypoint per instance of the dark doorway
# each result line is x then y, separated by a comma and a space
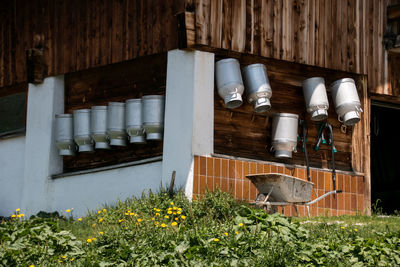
385, 160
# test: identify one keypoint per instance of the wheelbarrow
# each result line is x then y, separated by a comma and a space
276, 189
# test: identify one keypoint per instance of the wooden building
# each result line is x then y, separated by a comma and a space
102, 51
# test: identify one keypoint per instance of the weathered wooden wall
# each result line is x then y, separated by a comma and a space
81, 34
337, 34
115, 83
241, 132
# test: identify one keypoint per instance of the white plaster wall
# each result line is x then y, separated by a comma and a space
11, 173
189, 114
88, 191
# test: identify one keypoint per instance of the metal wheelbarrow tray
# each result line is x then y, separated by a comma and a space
281, 189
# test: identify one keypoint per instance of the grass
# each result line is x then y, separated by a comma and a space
163, 230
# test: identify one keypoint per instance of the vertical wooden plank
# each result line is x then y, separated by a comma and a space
278, 20
203, 8
286, 30
103, 32
132, 28
256, 27
2, 47
95, 31
140, 40
381, 85
216, 23
156, 22
329, 29
310, 52
116, 42
267, 28
226, 24
344, 30
302, 29
357, 42
371, 41
319, 33
336, 40
19, 46
238, 25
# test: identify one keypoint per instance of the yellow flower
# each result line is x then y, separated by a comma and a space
156, 223
176, 218
169, 209
104, 210
68, 210
126, 228
174, 208
355, 230
216, 239
174, 213
31, 265
72, 259
174, 224
158, 210
13, 216
101, 219
178, 212
166, 217
169, 212
94, 239
120, 220
179, 209
183, 217
157, 214
131, 213
240, 224
21, 215
101, 233
64, 257
79, 219
236, 232
93, 225
99, 211
154, 209
226, 234
139, 220
163, 225
153, 219
17, 210
342, 227
89, 240
171, 203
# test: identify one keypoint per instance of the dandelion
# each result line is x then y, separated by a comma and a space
169, 209
169, 212
89, 240
72, 259
101, 233
94, 225
240, 224
174, 224
153, 219
163, 225
13, 216
99, 211
355, 230
236, 232
216, 239
342, 227
126, 228
21, 215
226, 234
126, 213
176, 218
63, 256
104, 210
79, 219
157, 214
94, 239
174, 208
139, 220
100, 220
183, 217
154, 209
31, 265
158, 210
179, 209
156, 223
17, 210
171, 203
68, 211
178, 212
174, 213
166, 217
120, 220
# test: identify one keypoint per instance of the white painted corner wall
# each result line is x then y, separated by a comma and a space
29, 162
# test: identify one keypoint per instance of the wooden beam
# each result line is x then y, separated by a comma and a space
36, 65
393, 12
186, 29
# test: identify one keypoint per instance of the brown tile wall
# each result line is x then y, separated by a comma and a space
230, 176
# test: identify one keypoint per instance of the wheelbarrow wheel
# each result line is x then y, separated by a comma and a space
270, 209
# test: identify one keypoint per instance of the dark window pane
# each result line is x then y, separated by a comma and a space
12, 113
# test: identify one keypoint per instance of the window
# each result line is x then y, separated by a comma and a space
12, 114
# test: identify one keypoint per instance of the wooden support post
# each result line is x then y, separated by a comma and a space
186, 30
36, 66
